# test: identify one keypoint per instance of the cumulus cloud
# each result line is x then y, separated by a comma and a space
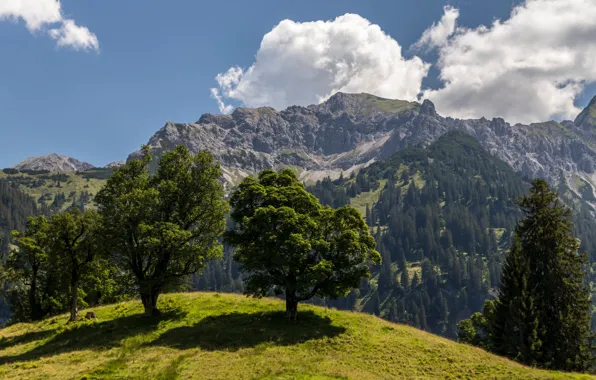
527, 68
438, 33
39, 15
305, 63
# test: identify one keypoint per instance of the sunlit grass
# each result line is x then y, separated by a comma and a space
213, 336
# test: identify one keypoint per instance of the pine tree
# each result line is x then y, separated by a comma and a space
542, 314
405, 279
514, 332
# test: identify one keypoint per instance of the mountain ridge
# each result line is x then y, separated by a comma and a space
351, 131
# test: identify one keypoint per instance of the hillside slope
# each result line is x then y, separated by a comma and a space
213, 336
56, 191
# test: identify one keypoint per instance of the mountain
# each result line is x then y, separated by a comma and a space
350, 131
586, 120
223, 336
54, 163
442, 217
113, 165
57, 191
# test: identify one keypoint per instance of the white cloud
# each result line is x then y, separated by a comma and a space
223, 108
78, 37
305, 63
38, 15
527, 68
438, 33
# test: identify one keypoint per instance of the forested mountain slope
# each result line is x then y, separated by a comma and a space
15, 207
54, 191
442, 217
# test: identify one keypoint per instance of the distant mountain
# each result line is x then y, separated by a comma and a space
351, 131
115, 164
53, 162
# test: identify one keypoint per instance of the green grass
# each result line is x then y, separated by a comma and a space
213, 336
388, 105
360, 201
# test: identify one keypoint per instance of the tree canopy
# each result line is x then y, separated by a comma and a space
75, 244
289, 244
163, 227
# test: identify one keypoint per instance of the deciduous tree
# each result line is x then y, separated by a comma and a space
289, 244
164, 227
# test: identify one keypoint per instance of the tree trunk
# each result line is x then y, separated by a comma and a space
149, 300
34, 306
291, 305
74, 296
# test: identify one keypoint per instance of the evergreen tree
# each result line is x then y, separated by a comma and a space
514, 331
542, 314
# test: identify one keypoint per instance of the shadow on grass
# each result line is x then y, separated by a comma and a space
25, 338
241, 330
101, 335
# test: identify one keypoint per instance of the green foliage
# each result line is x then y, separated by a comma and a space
97, 173
54, 266
289, 244
163, 227
28, 265
74, 244
476, 330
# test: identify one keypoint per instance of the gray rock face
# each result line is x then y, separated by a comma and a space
115, 164
53, 162
350, 131
586, 120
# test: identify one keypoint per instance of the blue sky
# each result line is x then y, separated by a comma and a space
157, 61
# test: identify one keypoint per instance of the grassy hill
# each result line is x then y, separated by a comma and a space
44, 187
216, 336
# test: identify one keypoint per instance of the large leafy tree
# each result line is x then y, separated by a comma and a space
164, 227
74, 246
542, 314
289, 244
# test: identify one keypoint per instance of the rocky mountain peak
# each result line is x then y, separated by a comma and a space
350, 131
587, 118
53, 162
428, 108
